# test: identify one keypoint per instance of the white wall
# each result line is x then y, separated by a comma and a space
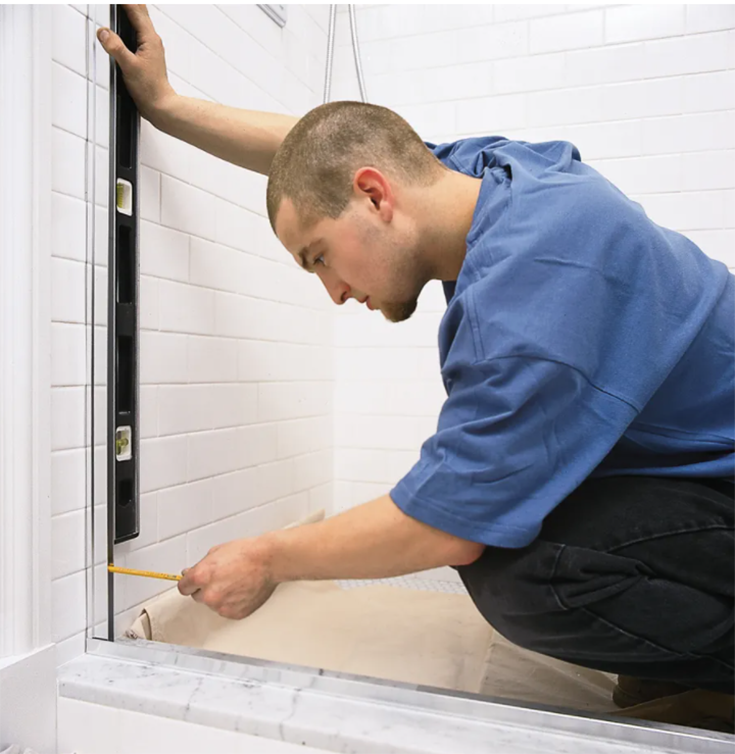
71, 313
646, 92
236, 342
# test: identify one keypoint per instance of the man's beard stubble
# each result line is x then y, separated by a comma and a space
406, 267
398, 312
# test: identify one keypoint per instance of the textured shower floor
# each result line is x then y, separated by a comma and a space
444, 583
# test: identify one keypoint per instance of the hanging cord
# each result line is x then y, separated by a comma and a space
330, 52
355, 51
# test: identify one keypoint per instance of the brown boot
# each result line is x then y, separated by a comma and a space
630, 691
696, 708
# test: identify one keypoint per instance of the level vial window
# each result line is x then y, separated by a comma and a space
124, 196
124, 443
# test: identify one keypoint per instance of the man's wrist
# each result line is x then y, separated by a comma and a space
162, 112
266, 549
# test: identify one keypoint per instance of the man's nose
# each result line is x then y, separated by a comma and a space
337, 289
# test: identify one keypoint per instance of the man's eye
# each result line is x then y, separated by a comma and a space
319, 259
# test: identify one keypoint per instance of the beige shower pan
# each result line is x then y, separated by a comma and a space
400, 632
417, 629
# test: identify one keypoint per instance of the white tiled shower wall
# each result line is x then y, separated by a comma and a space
236, 342
646, 92
242, 387
70, 314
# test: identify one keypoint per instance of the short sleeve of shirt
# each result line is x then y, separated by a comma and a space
515, 436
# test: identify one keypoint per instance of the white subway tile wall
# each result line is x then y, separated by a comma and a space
259, 402
647, 93
236, 342
79, 119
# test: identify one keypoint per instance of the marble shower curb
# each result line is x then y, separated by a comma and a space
405, 721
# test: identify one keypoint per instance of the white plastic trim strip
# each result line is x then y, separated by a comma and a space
25, 188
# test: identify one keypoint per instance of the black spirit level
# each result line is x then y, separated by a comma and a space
123, 449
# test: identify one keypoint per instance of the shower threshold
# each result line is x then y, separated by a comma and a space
341, 712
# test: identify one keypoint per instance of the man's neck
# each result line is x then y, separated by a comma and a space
447, 209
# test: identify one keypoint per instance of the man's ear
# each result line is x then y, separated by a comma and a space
372, 185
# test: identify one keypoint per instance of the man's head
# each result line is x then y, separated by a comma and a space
338, 201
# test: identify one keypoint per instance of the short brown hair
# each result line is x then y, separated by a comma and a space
315, 165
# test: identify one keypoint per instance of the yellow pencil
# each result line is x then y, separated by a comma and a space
147, 574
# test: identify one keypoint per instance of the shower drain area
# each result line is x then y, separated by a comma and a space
407, 582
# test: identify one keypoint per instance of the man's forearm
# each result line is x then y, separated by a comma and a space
248, 138
374, 540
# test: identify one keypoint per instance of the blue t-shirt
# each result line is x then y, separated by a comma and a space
581, 339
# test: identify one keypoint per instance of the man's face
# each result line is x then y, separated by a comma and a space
360, 255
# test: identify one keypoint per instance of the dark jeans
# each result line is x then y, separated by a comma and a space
630, 575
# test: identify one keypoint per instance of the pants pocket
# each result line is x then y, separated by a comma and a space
582, 577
